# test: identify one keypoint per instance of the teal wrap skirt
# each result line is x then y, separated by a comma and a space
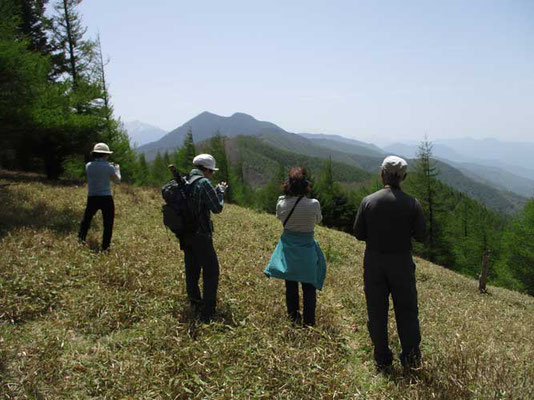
298, 257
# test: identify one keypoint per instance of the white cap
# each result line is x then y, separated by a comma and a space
205, 160
101, 148
395, 165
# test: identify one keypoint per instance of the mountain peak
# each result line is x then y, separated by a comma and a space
241, 115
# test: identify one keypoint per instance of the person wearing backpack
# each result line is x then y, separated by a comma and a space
197, 243
99, 173
297, 256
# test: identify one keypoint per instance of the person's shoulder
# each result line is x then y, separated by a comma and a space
314, 202
373, 195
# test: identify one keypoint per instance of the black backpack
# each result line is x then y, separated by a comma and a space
177, 214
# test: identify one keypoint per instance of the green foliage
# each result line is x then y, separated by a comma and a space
267, 197
159, 173
519, 248
54, 104
336, 206
183, 158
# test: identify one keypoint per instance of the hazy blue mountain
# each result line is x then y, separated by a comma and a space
494, 198
409, 150
518, 154
499, 178
337, 142
489, 172
141, 133
204, 126
351, 153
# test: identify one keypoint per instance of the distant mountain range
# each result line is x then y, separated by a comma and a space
141, 133
498, 173
473, 179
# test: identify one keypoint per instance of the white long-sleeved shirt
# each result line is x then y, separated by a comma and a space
306, 214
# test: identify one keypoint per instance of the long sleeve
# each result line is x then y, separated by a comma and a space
419, 224
212, 199
360, 225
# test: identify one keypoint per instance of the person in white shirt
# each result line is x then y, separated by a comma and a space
99, 173
298, 257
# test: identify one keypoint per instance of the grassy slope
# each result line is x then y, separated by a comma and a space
75, 323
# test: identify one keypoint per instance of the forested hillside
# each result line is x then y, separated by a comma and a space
77, 323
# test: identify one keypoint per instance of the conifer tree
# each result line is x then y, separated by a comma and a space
160, 173
33, 25
266, 197
143, 175
186, 154
425, 184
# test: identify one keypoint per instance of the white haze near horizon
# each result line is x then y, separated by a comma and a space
380, 72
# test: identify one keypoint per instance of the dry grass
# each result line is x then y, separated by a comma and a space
78, 324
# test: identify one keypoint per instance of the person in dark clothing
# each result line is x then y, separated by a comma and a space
99, 173
199, 253
387, 220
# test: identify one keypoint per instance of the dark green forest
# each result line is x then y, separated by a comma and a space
55, 105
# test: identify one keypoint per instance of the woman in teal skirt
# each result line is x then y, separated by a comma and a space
298, 257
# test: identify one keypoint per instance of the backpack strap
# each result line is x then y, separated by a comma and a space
293, 209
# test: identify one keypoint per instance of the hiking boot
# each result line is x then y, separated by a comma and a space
385, 369
411, 359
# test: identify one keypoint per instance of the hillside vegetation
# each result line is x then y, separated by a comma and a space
77, 324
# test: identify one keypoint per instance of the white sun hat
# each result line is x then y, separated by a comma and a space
205, 160
101, 148
395, 165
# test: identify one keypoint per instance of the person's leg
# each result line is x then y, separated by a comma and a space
207, 258
192, 275
377, 297
108, 214
309, 295
90, 211
292, 300
404, 294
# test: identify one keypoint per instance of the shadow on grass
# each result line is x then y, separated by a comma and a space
428, 381
19, 211
14, 177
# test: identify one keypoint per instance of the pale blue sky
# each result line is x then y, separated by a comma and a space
379, 71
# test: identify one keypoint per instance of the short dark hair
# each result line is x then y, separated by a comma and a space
296, 183
98, 155
392, 178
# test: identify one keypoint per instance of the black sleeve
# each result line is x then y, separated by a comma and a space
419, 224
360, 225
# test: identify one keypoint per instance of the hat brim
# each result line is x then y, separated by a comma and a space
102, 152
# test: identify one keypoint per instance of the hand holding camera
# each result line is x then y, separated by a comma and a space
222, 187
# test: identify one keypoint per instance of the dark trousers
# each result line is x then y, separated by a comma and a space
95, 203
309, 298
394, 274
200, 255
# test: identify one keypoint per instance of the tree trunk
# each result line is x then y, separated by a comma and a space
484, 274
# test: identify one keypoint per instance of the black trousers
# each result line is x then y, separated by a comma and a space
106, 205
394, 274
309, 297
200, 255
